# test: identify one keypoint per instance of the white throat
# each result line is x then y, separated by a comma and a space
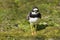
34, 13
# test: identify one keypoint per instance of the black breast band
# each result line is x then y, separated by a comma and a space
35, 15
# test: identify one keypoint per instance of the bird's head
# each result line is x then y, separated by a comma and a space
35, 9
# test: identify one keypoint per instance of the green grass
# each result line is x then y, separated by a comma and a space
14, 25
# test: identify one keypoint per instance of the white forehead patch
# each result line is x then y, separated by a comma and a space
35, 9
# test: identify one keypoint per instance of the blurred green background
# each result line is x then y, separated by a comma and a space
14, 25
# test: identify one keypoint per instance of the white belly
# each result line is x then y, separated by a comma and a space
33, 20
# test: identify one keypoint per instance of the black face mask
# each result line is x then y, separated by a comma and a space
37, 10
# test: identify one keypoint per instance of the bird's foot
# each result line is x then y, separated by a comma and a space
33, 33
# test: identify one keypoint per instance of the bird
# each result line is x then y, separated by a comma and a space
33, 17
